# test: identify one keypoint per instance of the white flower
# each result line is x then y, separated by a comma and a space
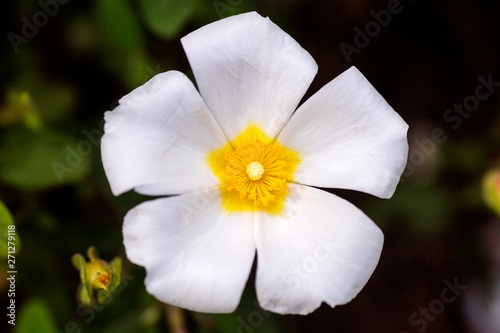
241, 164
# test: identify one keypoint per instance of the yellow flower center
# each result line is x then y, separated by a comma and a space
253, 171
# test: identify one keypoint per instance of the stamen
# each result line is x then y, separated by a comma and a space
256, 170
253, 170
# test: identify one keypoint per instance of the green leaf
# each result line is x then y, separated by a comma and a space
35, 316
122, 41
39, 159
135, 69
118, 25
6, 220
226, 8
166, 18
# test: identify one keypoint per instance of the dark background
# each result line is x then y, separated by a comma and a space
427, 60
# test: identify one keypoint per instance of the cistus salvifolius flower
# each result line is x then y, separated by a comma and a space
241, 158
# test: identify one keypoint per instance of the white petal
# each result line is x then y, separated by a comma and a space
322, 248
157, 139
349, 138
248, 70
196, 257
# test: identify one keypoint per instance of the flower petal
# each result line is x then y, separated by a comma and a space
321, 249
157, 139
195, 256
349, 138
249, 71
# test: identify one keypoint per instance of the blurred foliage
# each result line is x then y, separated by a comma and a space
491, 190
55, 157
7, 220
58, 81
18, 108
166, 18
121, 40
35, 317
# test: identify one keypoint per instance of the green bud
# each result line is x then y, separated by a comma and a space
96, 274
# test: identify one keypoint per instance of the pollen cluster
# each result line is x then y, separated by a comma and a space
254, 171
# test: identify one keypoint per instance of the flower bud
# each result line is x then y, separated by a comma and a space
96, 274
